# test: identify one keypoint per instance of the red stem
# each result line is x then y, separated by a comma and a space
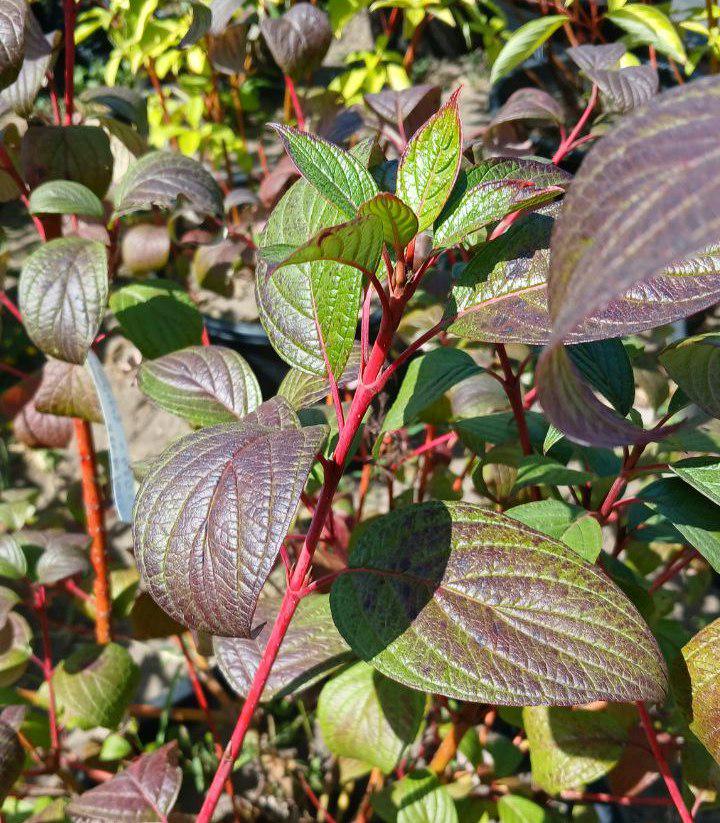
95, 523
297, 108
293, 594
40, 604
512, 389
70, 12
568, 144
619, 800
673, 569
662, 765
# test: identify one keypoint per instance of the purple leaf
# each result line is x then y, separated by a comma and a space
12, 36
299, 39
211, 515
457, 600
145, 791
67, 390
412, 107
532, 105
311, 648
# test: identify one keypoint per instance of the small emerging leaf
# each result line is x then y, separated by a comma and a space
398, 221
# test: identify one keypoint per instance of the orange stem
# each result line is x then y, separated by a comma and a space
95, 522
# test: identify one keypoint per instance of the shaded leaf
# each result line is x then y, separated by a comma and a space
457, 600
399, 224
570, 748
694, 364
39, 56
146, 790
227, 50
624, 88
77, 153
536, 470
364, 715
410, 107
203, 384
605, 364
158, 316
12, 758
146, 247
161, 178
127, 104
94, 685
299, 39
234, 489
701, 702
12, 39
64, 555
15, 650
430, 163
418, 798
65, 197
523, 42
62, 293
311, 649
338, 175
426, 380
200, 23
529, 104
695, 518
67, 390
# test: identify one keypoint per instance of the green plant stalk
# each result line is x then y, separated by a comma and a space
370, 385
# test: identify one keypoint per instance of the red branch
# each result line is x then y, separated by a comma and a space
95, 522
662, 765
70, 12
40, 606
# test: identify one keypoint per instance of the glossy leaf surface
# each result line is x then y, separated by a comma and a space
145, 791
399, 224
523, 42
430, 163
161, 178
62, 292
463, 602
337, 174
12, 37
203, 384
212, 513
65, 197
311, 648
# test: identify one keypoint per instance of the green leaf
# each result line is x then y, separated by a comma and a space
94, 685
65, 197
650, 25
523, 42
337, 174
552, 437
605, 364
364, 715
284, 297
419, 797
456, 600
497, 428
429, 165
695, 518
426, 380
702, 473
398, 220
570, 748
584, 537
492, 190
13, 564
310, 650
551, 517
302, 390
694, 364
158, 316
63, 292
77, 153
115, 747
700, 687
515, 809
202, 384
235, 488
536, 470
161, 178
357, 243
15, 648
